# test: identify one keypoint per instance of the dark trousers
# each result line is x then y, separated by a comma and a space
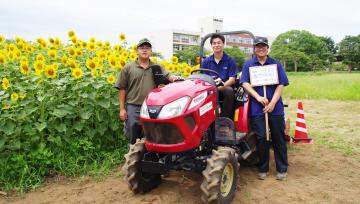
132, 127
276, 124
227, 96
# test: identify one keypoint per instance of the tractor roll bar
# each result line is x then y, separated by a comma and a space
203, 39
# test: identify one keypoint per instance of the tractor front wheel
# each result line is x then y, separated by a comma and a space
138, 181
220, 176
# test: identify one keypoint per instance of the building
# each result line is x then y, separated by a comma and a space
168, 41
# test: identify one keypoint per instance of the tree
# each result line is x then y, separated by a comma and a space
238, 55
189, 54
331, 48
157, 55
299, 49
349, 49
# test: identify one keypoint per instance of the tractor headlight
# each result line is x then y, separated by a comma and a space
174, 108
144, 111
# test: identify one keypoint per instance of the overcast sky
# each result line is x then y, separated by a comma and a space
105, 19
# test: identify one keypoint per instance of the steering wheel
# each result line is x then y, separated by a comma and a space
218, 84
206, 70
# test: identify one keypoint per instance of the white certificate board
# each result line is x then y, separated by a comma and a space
264, 75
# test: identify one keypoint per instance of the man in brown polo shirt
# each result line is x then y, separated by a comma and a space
134, 83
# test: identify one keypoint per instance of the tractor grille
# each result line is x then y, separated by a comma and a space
162, 133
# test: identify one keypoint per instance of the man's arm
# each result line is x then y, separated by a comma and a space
264, 101
122, 112
270, 107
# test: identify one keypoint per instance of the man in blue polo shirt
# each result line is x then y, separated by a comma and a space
226, 67
273, 105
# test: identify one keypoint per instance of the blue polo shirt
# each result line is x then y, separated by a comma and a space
226, 68
256, 108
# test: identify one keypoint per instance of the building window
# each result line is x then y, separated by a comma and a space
176, 37
184, 38
176, 47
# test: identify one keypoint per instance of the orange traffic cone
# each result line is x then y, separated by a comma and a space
301, 134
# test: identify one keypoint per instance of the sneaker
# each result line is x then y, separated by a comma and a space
262, 175
281, 176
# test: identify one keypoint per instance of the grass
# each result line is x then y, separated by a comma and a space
321, 85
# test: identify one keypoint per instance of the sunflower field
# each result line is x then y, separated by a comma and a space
59, 108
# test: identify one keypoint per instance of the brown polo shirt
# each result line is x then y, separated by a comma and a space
137, 82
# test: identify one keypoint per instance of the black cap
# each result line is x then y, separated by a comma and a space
261, 40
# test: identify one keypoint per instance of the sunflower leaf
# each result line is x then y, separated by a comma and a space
40, 126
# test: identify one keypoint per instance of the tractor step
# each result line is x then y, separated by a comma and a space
246, 154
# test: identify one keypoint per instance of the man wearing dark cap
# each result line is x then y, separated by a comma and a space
227, 69
271, 104
134, 83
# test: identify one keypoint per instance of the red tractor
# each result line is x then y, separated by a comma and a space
183, 131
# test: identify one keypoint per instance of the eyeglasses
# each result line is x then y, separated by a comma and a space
144, 48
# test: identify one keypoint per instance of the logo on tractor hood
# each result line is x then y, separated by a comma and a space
198, 99
151, 110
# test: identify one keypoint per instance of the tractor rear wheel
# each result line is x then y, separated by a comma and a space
220, 176
138, 181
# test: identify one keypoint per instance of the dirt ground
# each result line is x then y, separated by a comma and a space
317, 173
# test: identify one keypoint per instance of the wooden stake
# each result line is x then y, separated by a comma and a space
266, 119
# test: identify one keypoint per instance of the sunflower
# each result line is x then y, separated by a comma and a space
174, 60
24, 68
39, 67
99, 44
6, 107
125, 54
101, 54
91, 46
14, 97
133, 56
50, 72
71, 33
52, 54
71, 51
92, 40
122, 63
2, 59
5, 83
187, 71
110, 79
74, 39
83, 44
40, 57
112, 61
78, 52
77, 73
2, 39
57, 42
29, 49
107, 44
24, 59
51, 40
116, 47
91, 64
153, 59
94, 73
64, 59
71, 63
11, 56
12, 47
122, 37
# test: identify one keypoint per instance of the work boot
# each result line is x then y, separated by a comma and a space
281, 176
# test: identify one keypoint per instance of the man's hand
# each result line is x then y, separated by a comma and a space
269, 108
123, 114
264, 101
